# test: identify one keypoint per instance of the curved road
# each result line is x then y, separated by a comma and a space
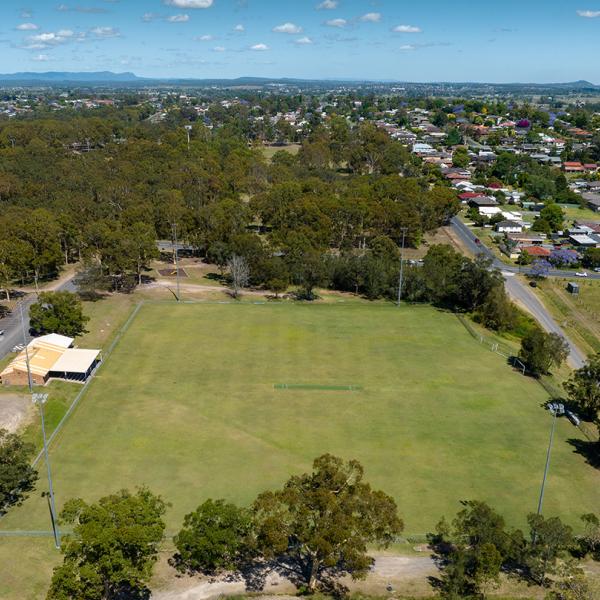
522, 293
11, 325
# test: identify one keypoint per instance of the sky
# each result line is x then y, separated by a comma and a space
433, 40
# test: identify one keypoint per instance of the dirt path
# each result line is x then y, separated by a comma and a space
15, 412
196, 287
406, 573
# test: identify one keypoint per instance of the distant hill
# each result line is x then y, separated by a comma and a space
62, 76
89, 79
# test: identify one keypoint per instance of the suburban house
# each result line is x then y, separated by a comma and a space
573, 167
537, 251
593, 200
47, 357
586, 240
528, 238
509, 227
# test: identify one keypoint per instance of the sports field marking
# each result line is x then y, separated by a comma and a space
316, 386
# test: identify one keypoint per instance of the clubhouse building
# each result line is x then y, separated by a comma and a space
48, 357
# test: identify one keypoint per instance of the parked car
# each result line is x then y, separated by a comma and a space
581, 274
597, 270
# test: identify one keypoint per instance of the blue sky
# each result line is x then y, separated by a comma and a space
434, 40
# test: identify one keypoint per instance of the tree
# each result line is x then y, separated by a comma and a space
553, 214
540, 351
591, 258
550, 539
142, 245
17, 476
58, 312
214, 538
239, 274
112, 549
15, 256
472, 550
589, 540
460, 158
321, 523
583, 389
497, 312
573, 585
312, 273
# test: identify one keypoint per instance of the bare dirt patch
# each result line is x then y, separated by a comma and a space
16, 411
172, 272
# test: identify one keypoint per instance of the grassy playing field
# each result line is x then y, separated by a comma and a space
187, 404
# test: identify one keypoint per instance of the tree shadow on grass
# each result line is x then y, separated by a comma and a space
589, 450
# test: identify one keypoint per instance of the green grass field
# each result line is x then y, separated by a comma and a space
187, 405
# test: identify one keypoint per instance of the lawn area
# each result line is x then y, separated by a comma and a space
186, 404
573, 212
579, 315
270, 151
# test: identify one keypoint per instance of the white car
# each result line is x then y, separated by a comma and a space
581, 274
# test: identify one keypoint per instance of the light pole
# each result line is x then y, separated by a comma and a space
188, 128
404, 229
555, 409
176, 259
40, 400
29, 381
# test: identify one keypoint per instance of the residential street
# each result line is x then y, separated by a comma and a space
11, 325
520, 292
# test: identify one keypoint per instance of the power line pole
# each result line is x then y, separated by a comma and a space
40, 400
400, 280
176, 259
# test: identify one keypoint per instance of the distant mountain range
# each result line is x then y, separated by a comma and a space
108, 77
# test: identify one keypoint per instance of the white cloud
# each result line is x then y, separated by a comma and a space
259, 47
341, 23
204, 38
288, 28
407, 47
219, 49
239, 28
178, 18
106, 32
303, 41
43, 40
589, 14
27, 27
406, 29
328, 5
189, 3
40, 58
149, 17
372, 17
26, 14
62, 7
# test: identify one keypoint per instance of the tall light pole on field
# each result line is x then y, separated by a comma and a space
400, 279
176, 258
556, 410
40, 400
29, 381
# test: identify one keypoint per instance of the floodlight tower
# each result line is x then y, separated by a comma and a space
400, 280
40, 400
556, 410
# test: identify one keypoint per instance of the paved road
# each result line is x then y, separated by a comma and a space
468, 238
13, 330
520, 292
